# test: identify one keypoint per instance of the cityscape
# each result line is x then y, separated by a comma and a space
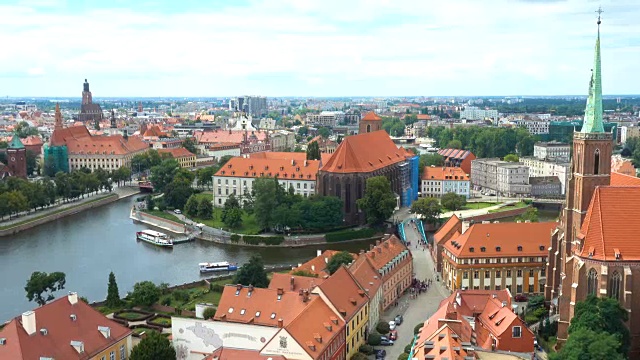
304, 212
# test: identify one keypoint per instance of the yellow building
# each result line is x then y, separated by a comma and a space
79, 331
185, 158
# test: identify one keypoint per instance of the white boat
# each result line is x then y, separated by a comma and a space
217, 266
155, 238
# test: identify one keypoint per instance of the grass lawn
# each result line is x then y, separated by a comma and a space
249, 225
132, 316
517, 205
164, 215
141, 330
478, 205
161, 321
198, 295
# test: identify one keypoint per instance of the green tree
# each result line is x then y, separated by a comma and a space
383, 327
324, 132
208, 313
585, 344
313, 151
190, 145
163, 174
359, 356
177, 192
337, 260
403, 356
191, 206
454, 144
113, 296
453, 201
511, 158
265, 200
429, 208
530, 215
23, 130
233, 218
145, 293
32, 162
153, 347
378, 202
205, 208
205, 176
42, 286
305, 273
252, 273
430, 160
374, 339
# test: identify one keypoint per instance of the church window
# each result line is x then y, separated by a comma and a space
614, 285
368, 127
592, 282
596, 162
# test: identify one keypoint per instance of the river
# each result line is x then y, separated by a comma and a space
88, 245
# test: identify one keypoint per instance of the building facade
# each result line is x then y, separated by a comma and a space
370, 122
457, 158
394, 263
502, 177
545, 186
543, 168
369, 279
475, 113
437, 181
185, 158
282, 140
17, 158
89, 112
326, 118
552, 150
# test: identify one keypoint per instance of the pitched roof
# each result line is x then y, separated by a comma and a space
154, 131
16, 143
381, 254
470, 302
453, 222
344, 293
114, 144
223, 353
315, 327
454, 153
248, 305
283, 169
444, 173
366, 275
177, 152
611, 225
318, 264
371, 116
618, 179
502, 239
222, 136
443, 344
298, 156
365, 153
32, 140
62, 135
293, 283
61, 329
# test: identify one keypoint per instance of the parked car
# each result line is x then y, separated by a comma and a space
392, 325
380, 354
393, 335
177, 211
520, 298
386, 342
399, 319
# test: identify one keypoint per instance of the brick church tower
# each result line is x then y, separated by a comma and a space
370, 122
590, 168
17, 157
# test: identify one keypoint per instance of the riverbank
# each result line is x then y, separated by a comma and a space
64, 210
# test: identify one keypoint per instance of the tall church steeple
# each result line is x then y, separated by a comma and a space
58, 117
113, 120
593, 111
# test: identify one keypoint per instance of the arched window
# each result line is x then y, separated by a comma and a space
614, 285
592, 282
368, 128
596, 162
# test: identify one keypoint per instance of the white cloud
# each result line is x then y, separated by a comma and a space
323, 47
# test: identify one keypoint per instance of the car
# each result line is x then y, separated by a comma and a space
393, 335
399, 319
380, 354
177, 211
386, 342
392, 325
520, 298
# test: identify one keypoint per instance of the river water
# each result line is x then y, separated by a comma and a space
88, 245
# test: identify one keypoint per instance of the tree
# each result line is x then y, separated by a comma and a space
145, 293
177, 192
379, 201
430, 160
324, 132
41, 286
205, 176
383, 327
32, 162
530, 215
113, 296
429, 208
191, 206
265, 200
190, 145
453, 201
163, 174
590, 345
153, 347
208, 313
252, 273
337, 260
374, 339
313, 151
511, 158
454, 144
205, 208
359, 356
403, 356
23, 130
305, 273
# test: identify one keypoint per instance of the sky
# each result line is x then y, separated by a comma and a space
315, 47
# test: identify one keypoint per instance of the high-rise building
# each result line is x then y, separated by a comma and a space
254, 105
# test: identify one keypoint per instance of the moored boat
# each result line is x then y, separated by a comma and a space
155, 238
217, 266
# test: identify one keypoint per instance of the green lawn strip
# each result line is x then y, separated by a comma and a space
249, 225
164, 215
160, 321
478, 205
140, 330
131, 316
54, 212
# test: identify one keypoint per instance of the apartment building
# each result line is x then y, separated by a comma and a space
505, 178
437, 181
544, 168
185, 158
326, 118
535, 127
495, 256
475, 113
394, 263
552, 150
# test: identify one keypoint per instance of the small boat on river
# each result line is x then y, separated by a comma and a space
154, 237
217, 266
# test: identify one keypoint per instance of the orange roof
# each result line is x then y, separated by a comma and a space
503, 239
248, 305
611, 225
61, 136
365, 152
444, 173
366, 275
384, 252
222, 136
371, 116
318, 264
618, 179
622, 166
109, 145
423, 117
298, 156
293, 283
61, 329
223, 353
344, 293
177, 152
315, 327
32, 140
283, 169
472, 302
154, 130
453, 222
444, 343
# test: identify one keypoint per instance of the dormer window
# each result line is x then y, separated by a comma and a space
483, 249
273, 315
471, 249
498, 249
519, 247
257, 313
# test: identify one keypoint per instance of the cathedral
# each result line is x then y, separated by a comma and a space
89, 112
595, 249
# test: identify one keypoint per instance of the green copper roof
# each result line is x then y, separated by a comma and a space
16, 143
593, 111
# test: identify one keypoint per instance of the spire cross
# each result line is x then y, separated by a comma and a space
599, 11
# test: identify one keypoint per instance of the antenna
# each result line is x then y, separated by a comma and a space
599, 11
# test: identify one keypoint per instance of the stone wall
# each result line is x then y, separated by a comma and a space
497, 215
158, 222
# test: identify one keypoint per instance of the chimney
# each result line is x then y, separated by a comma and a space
377, 242
239, 287
73, 298
292, 282
373, 254
385, 244
318, 252
250, 288
361, 251
465, 226
280, 291
370, 246
280, 323
379, 250
29, 322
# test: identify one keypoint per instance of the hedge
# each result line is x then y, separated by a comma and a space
235, 238
350, 235
267, 240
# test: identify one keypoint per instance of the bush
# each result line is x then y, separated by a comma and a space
359, 356
217, 288
180, 295
383, 327
417, 328
407, 348
403, 356
366, 349
235, 238
208, 313
374, 339
350, 235
267, 240
166, 301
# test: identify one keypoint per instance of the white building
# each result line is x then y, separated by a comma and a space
505, 178
552, 150
326, 118
216, 151
475, 113
236, 177
540, 168
437, 181
535, 127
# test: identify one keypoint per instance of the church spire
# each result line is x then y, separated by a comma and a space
593, 112
58, 117
113, 120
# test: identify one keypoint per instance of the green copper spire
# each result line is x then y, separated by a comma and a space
16, 143
593, 111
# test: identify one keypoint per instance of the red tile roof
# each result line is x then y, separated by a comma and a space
366, 275
177, 152
502, 239
293, 283
344, 293
611, 224
365, 153
444, 173
371, 116
318, 264
283, 169
223, 353
618, 179
154, 131
114, 144
446, 228
222, 136
32, 140
384, 252
61, 136
315, 327
61, 329
444, 344
298, 156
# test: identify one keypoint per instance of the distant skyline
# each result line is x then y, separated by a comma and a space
325, 48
